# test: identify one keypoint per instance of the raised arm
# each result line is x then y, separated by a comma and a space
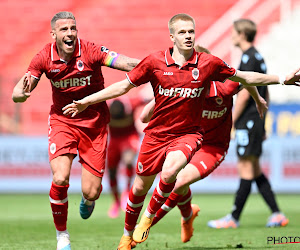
248, 78
23, 88
125, 63
147, 111
112, 91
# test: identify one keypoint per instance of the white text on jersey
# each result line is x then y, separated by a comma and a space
213, 114
73, 82
181, 92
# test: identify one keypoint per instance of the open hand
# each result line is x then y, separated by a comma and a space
75, 108
262, 107
293, 78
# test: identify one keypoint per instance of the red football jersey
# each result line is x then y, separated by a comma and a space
179, 91
80, 77
216, 114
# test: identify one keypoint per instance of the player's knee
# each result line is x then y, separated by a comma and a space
169, 174
92, 194
181, 185
60, 180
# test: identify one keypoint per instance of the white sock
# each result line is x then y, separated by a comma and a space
58, 233
87, 202
128, 233
148, 214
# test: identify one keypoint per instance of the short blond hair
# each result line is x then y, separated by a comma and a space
181, 16
61, 15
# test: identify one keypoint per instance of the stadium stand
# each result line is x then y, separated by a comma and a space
132, 27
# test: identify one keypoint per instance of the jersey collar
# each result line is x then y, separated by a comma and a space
55, 56
170, 61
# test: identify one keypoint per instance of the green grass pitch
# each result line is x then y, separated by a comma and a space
26, 223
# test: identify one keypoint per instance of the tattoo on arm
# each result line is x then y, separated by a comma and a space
125, 63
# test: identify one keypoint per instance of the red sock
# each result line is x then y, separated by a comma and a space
170, 203
133, 209
159, 196
129, 174
184, 204
59, 204
114, 189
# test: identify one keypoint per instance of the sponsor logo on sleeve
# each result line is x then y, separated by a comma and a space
104, 49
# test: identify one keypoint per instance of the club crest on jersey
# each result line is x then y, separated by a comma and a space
140, 166
219, 100
80, 65
195, 73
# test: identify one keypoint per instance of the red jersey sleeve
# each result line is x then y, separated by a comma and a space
232, 87
220, 70
37, 65
142, 73
99, 54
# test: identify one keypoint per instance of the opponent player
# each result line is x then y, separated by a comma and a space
173, 134
74, 69
250, 133
216, 122
123, 145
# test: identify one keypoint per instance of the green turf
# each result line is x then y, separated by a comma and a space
26, 223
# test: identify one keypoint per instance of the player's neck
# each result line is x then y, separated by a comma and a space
245, 46
181, 56
64, 56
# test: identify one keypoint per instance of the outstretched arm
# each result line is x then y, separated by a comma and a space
249, 78
147, 111
112, 91
23, 88
125, 63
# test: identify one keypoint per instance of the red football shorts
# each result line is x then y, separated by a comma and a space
118, 145
207, 159
90, 143
153, 152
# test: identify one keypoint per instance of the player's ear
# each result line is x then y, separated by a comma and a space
172, 38
53, 35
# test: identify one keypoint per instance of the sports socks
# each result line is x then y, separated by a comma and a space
133, 209
58, 197
185, 205
241, 198
170, 203
159, 196
264, 188
129, 174
114, 185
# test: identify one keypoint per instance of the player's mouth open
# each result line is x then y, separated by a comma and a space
69, 43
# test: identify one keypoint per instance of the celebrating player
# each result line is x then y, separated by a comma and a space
216, 122
180, 77
74, 69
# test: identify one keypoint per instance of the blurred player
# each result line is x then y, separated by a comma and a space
74, 69
122, 148
250, 133
216, 122
173, 133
